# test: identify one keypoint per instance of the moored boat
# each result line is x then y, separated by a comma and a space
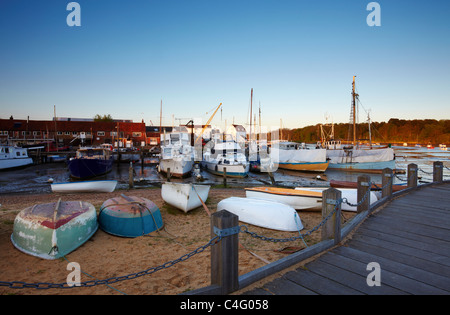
52, 230
263, 213
13, 157
129, 216
185, 197
298, 199
176, 154
226, 157
85, 186
90, 162
295, 156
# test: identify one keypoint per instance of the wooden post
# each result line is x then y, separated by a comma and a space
412, 175
224, 254
363, 188
386, 182
168, 174
130, 176
438, 171
225, 177
332, 227
272, 178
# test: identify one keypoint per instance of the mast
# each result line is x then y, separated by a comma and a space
354, 96
251, 105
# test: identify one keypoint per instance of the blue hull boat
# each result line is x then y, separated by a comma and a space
129, 216
90, 162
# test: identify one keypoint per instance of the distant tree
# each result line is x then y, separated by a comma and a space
103, 118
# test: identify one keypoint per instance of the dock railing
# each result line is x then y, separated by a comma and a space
224, 254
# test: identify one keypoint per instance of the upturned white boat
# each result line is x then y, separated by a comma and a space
297, 199
85, 186
264, 213
351, 195
12, 157
185, 197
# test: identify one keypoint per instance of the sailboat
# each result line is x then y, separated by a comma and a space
355, 158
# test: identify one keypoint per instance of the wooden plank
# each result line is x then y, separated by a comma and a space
318, 283
391, 279
283, 286
418, 274
393, 255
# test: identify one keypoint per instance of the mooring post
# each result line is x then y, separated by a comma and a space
363, 190
130, 175
412, 175
332, 227
168, 174
224, 254
225, 177
386, 182
438, 171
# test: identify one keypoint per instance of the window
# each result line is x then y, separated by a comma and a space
100, 133
59, 133
74, 133
137, 134
67, 133
36, 133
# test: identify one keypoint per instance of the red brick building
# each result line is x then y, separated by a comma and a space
71, 132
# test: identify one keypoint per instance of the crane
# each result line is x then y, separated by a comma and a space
209, 120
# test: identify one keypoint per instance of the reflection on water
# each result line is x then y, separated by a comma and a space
35, 178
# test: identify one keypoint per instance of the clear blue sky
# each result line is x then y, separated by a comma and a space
298, 56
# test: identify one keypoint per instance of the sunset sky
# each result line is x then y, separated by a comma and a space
298, 56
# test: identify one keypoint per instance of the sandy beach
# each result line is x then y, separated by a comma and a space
105, 256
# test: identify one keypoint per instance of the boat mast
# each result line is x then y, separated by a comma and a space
354, 95
251, 106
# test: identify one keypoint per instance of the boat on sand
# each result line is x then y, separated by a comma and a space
129, 216
185, 197
53, 230
85, 186
263, 213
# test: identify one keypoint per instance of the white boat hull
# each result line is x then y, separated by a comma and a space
296, 202
179, 167
13, 163
184, 196
85, 186
233, 170
263, 213
350, 194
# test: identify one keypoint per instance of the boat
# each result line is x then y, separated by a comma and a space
90, 162
353, 157
295, 156
53, 230
13, 157
297, 199
443, 147
348, 184
226, 156
351, 195
129, 216
263, 213
176, 154
185, 197
84, 186
56, 158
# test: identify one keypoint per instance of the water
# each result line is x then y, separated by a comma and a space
35, 179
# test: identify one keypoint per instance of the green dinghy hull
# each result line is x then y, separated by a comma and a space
53, 230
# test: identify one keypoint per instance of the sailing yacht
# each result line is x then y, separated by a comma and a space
354, 158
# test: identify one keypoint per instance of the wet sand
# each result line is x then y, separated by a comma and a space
105, 256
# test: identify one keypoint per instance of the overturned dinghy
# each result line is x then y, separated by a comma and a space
52, 230
85, 186
185, 197
264, 213
129, 216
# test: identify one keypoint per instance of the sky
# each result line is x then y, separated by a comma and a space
299, 57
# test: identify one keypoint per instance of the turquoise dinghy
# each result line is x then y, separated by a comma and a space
129, 216
52, 230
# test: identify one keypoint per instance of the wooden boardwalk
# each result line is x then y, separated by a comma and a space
410, 240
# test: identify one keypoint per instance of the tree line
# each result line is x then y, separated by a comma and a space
417, 131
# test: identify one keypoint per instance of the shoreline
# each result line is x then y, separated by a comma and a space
105, 256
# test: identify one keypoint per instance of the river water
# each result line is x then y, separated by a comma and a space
36, 179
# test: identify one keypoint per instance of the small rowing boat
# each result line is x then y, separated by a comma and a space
263, 213
298, 199
53, 230
85, 186
129, 216
185, 197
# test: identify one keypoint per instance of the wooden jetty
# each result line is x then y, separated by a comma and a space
409, 239
398, 245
